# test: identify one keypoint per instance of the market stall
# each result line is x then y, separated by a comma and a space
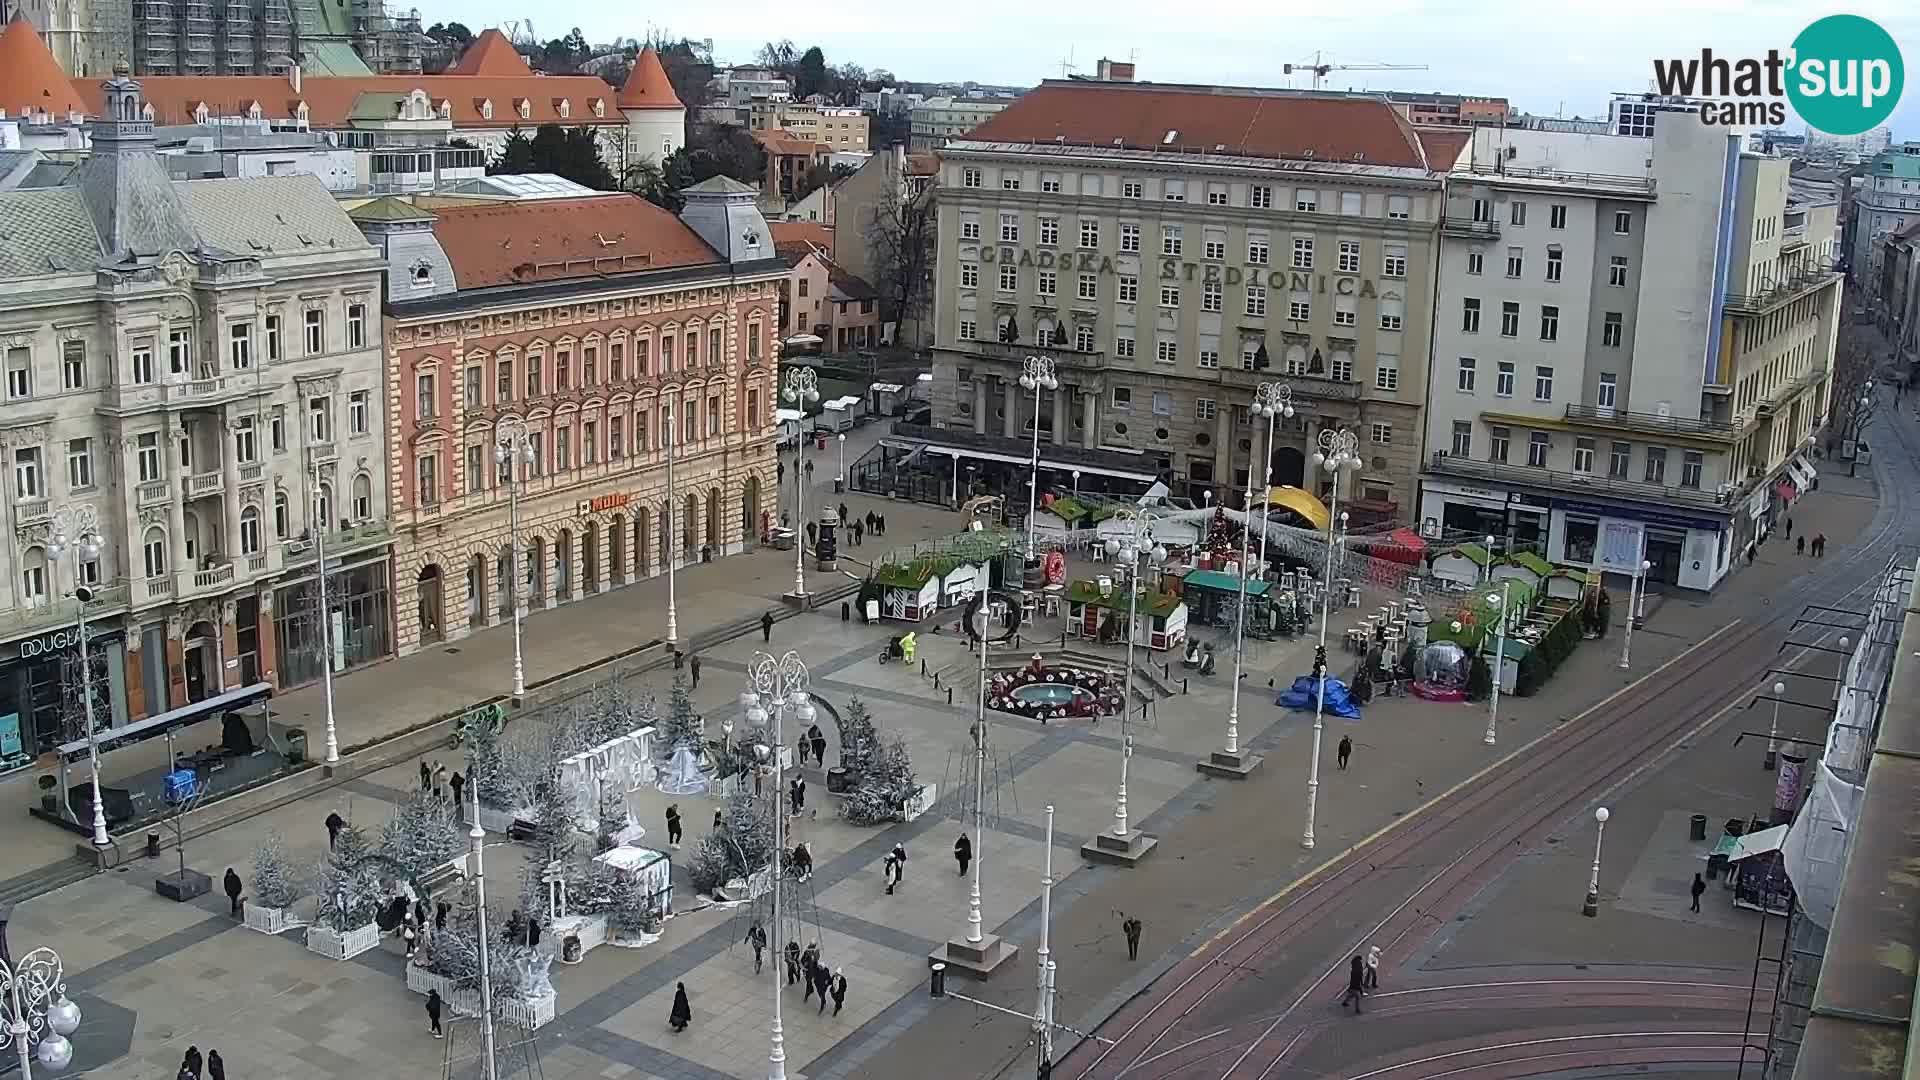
1759, 875
909, 592
1524, 567
1464, 564
960, 582
1211, 597
1568, 583
1097, 610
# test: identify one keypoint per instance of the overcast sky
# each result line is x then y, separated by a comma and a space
1546, 56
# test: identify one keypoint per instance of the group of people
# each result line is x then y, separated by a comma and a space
1363, 978
804, 966
435, 780
894, 867
1800, 543
814, 740
192, 1064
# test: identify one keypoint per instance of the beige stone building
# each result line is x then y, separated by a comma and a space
1171, 247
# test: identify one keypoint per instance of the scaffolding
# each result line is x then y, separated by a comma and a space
234, 33
197, 29
273, 36
156, 38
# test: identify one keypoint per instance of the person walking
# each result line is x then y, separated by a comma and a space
822, 985
1789, 525
439, 778
793, 962
1346, 750
890, 869
813, 532
839, 989
458, 783
1356, 984
232, 881
682, 1013
809, 963
963, 853
216, 1066
409, 936
766, 626
1130, 927
900, 856
426, 775
843, 515
673, 826
433, 1013
440, 913
799, 793
334, 824
856, 532
1699, 887
819, 743
1799, 545
192, 1062
1373, 968
1819, 545
757, 941
693, 665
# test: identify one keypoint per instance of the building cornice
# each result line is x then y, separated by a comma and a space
1115, 157
500, 298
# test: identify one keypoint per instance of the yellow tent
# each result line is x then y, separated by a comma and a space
1301, 502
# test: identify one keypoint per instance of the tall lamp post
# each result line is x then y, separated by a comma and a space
76, 532
1230, 763
667, 436
36, 1007
1339, 453
1036, 374
1500, 619
1133, 549
1860, 424
803, 386
1591, 908
842, 439
1634, 591
476, 854
1771, 761
514, 449
319, 509
1274, 402
779, 686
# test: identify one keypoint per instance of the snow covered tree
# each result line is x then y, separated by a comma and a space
613, 711
556, 834
422, 835
859, 742
612, 814
487, 769
741, 846
884, 789
274, 881
349, 889
681, 728
455, 953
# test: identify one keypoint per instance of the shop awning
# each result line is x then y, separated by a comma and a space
1219, 582
1759, 843
113, 738
1300, 502
1803, 472
988, 455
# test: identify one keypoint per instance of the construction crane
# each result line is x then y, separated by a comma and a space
1320, 68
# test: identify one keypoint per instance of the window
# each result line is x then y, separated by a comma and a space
79, 464
1537, 446
1470, 315
1462, 438
1399, 207
1509, 319
470, 386
1497, 441
1464, 381
273, 338
1049, 283
1503, 378
427, 479
1162, 403
1692, 463
1483, 210
1210, 359
1549, 323
423, 404
1622, 222
476, 468
250, 531
1306, 201
1089, 287
1089, 232
616, 362
19, 374
1205, 409
1617, 271
179, 351
1257, 301
1174, 190
1299, 308
1393, 261
1132, 189
1350, 203
616, 438
147, 457
154, 549
1519, 212
1610, 330
1123, 346
1260, 197
1554, 265
282, 515
26, 473
1170, 239
503, 382
1476, 262
1009, 228
1516, 262
240, 346
1169, 296
970, 178
1083, 339
1049, 232
969, 330
1009, 181
590, 439
1050, 183
536, 376
1122, 398
1257, 248
1383, 434
1009, 277
1349, 260
1129, 289
1608, 386
1542, 383
1166, 352
1302, 253
319, 420
1392, 313
1583, 455
140, 362
1129, 237
1386, 371
1557, 216
316, 330
1618, 459
1343, 312
245, 446
1656, 465
1340, 367
1212, 294
969, 229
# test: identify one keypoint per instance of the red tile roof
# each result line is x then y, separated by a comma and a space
923, 164
647, 85
30, 78
801, 232
330, 100
1149, 116
514, 243
491, 54
1444, 146
782, 141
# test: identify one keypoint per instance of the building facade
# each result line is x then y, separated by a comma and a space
1290, 238
836, 128
635, 335
1632, 344
939, 120
193, 373
1886, 201
822, 300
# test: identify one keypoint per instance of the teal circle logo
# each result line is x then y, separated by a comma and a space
1846, 75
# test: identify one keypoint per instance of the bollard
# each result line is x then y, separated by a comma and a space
1183, 684
1697, 827
1166, 671
936, 680
949, 695
846, 612
923, 668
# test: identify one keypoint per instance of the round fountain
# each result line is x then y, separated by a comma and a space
1045, 691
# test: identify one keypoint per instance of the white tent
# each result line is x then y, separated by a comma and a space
683, 775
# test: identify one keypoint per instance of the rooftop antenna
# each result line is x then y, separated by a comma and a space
1067, 65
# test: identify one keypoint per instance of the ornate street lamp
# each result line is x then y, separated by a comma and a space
1274, 402
803, 386
514, 449
1036, 374
1339, 454
779, 686
39, 1015
76, 532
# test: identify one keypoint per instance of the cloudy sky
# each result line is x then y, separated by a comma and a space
1547, 57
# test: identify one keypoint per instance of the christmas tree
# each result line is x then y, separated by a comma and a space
681, 727
487, 769
274, 884
742, 846
859, 742
883, 789
556, 835
422, 835
349, 889
612, 814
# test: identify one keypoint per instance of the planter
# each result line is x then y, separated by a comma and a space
338, 946
269, 920
582, 931
920, 803
530, 1013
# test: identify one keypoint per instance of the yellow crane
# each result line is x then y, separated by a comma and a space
1320, 68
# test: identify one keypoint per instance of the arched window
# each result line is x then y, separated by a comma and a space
154, 547
362, 497
33, 577
282, 517
250, 531
323, 505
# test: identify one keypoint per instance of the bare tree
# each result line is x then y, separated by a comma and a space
900, 234
1854, 359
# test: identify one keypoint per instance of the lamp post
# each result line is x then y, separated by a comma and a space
1339, 453
778, 686
1270, 400
36, 1004
76, 532
1043, 1005
1860, 424
1591, 908
1274, 401
842, 439
1771, 761
318, 510
1499, 603
476, 854
1124, 843
514, 449
673, 514
1076, 483
1634, 590
1036, 374
803, 386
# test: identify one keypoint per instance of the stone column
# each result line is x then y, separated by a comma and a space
979, 406
1060, 415
176, 499
229, 648
230, 501
1089, 431
269, 641
1010, 396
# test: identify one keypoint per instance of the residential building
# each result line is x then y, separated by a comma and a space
1898, 313
939, 120
1632, 344
1449, 110
1861, 147
199, 152
837, 128
791, 159
823, 307
741, 86
610, 334
877, 202
888, 101
1635, 114
193, 371
1886, 201
1171, 247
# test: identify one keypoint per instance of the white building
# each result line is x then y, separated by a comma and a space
1632, 343
1886, 201
940, 120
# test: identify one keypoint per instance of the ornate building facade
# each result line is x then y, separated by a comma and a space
593, 338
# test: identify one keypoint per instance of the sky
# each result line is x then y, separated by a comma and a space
1554, 57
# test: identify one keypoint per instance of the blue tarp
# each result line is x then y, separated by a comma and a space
1306, 690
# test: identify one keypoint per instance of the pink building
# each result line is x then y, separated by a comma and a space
825, 302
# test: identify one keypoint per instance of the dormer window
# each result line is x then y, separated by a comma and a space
443, 109
253, 111
599, 107
146, 112
422, 275
565, 108
486, 109
200, 113
523, 106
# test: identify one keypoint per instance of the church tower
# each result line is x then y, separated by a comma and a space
656, 118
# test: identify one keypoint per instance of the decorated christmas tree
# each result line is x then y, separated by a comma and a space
741, 846
275, 884
859, 742
422, 835
487, 769
884, 788
556, 834
348, 887
680, 728
612, 814
1223, 538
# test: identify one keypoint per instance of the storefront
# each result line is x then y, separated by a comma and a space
41, 687
1692, 553
1517, 519
360, 622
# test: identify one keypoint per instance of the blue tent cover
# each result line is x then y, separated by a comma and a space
1305, 689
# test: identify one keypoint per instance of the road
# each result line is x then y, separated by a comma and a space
1254, 1002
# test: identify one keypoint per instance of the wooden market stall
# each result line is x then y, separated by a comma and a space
1464, 564
1097, 610
1525, 567
909, 592
1211, 597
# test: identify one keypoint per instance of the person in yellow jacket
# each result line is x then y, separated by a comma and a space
906, 648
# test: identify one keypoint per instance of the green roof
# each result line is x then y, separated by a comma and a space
916, 574
1540, 567
388, 208
333, 58
1473, 552
1156, 604
1068, 510
1578, 573
1219, 582
371, 106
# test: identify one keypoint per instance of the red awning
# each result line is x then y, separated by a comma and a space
1785, 491
1403, 546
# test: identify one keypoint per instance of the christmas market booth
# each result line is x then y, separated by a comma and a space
1570, 583
1524, 567
910, 592
1758, 873
1097, 610
1060, 517
1211, 597
1464, 564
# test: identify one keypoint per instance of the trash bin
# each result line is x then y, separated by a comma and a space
1697, 827
846, 611
570, 949
296, 745
839, 485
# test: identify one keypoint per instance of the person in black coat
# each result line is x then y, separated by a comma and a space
216, 1067
1698, 888
440, 915
682, 1013
822, 984
766, 626
1356, 985
819, 743
192, 1062
233, 890
757, 941
673, 826
963, 853
809, 962
900, 857
457, 783
793, 962
426, 776
839, 989
334, 824
433, 1013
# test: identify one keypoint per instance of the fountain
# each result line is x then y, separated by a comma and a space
1044, 692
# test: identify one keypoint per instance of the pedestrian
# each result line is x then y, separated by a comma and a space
1751, 549
334, 824
1130, 926
679, 660
757, 940
883, 524
802, 747
533, 932
440, 913
233, 890
792, 952
420, 914
839, 988
799, 792
843, 515
1356, 984
766, 626
900, 856
803, 860
1789, 525
192, 1062
856, 533
1820, 545
439, 778
890, 869
1346, 750
184, 1073
516, 926
1799, 545
1373, 967
808, 961
823, 983
682, 1013
216, 1066
1699, 886
457, 783
809, 471
426, 775
963, 853
673, 826
694, 666
409, 936
433, 1012
813, 531
819, 742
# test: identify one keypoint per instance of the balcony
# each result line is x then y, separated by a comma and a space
1794, 237
1016, 352
1565, 483
323, 452
1464, 229
1546, 179
152, 590
252, 474
1808, 280
340, 543
153, 493
1651, 423
200, 485
1318, 387
32, 512
216, 576
27, 621
182, 395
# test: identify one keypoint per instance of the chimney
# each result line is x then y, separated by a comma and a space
293, 76
1114, 71
900, 159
